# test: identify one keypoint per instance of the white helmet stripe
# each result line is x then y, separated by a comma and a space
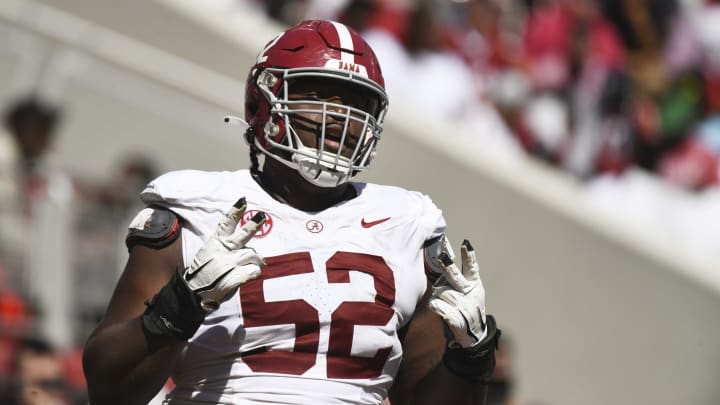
346, 42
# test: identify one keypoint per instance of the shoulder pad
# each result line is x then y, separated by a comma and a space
432, 250
154, 227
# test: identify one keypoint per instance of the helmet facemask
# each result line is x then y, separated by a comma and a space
345, 135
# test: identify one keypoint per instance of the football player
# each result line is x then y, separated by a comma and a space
288, 283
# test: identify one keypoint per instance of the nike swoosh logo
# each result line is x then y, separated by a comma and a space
189, 276
169, 325
372, 223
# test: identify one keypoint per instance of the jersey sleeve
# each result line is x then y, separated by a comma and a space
183, 187
187, 194
432, 222
432, 227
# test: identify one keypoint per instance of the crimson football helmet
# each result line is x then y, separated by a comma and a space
319, 51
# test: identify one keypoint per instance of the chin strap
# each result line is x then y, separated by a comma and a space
318, 174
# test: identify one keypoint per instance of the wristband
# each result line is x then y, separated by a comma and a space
174, 311
477, 363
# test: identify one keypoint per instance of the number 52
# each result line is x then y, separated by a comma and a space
340, 363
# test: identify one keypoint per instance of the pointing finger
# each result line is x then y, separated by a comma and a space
229, 222
470, 268
452, 273
246, 232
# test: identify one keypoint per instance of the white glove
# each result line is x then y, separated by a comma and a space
224, 263
458, 297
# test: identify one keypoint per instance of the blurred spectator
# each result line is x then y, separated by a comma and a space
481, 40
384, 29
663, 61
546, 123
36, 206
37, 376
35, 195
25, 174
564, 38
430, 57
571, 52
422, 64
32, 123
414, 46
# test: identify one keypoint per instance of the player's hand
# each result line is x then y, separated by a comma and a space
459, 298
224, 263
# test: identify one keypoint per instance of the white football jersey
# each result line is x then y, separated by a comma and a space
320, 325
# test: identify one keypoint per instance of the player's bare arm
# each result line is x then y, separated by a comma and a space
423, 345
156, 307
455, 369
139, 365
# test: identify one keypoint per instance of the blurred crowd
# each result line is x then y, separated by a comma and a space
593, 87
61, 248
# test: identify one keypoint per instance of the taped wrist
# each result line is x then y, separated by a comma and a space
476, 364
174, 311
